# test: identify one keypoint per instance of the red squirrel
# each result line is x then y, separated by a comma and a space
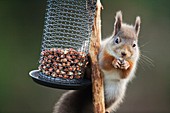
118, 59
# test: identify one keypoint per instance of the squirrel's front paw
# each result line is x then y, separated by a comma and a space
120, 63
125, 65
116, 63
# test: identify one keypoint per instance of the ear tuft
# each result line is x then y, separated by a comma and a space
118, 22
137, 25
119, 15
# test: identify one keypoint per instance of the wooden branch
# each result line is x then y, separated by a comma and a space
97, 77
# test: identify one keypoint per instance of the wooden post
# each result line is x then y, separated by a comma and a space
97, 77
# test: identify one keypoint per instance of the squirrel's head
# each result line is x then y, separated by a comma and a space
124, 41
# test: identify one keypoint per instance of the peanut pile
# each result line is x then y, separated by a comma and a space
63, 63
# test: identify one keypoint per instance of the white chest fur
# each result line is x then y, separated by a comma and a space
114, 89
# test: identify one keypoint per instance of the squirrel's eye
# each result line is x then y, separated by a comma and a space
117, 40
134, 45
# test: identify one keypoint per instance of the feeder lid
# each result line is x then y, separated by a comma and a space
60, 83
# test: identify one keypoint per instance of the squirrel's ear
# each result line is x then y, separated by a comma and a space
118, 22
137, 25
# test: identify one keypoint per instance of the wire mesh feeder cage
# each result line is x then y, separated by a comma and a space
65, 44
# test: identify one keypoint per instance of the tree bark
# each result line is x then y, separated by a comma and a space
97, 77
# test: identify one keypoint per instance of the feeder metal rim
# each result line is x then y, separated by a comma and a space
58, 83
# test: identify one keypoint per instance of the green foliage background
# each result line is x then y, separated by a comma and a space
21, 28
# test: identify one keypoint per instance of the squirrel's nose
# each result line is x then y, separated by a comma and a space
123, 54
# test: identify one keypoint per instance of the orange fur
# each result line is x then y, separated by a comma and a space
106, 62
125, 73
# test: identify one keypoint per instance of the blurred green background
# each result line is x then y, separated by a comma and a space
21, 28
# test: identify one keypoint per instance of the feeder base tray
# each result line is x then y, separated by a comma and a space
73, 84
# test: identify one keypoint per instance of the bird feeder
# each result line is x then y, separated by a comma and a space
65, 44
